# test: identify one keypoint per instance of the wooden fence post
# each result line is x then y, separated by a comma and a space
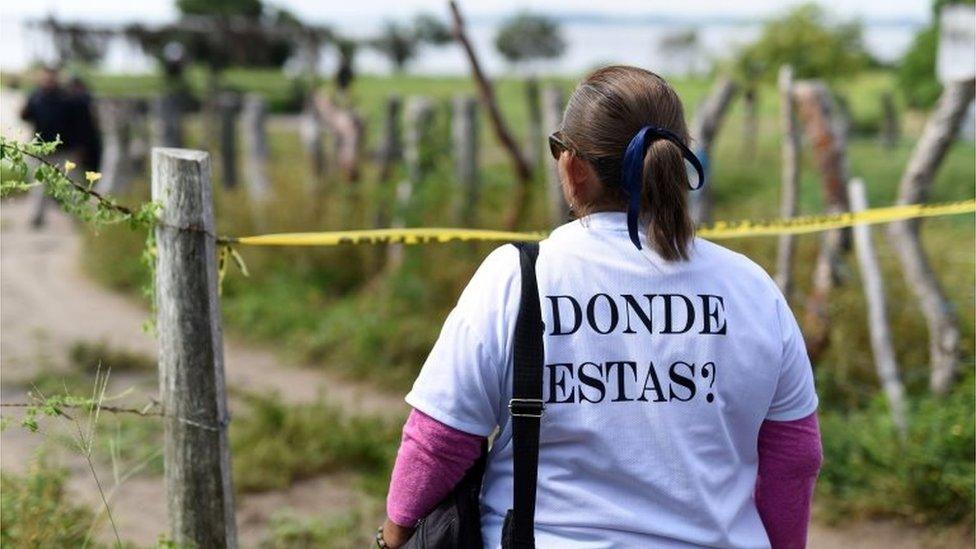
790, 179
916, 182
419, 117
228, 106
533, 134
140, 135
199, 490
817, 110
464, 130
254, 119
750, 121
890, 130
167, 114
311, 130
391, 146
704, 128
553, 104
115, 116
881, 346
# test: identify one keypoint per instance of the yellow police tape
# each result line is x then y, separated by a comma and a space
718, 230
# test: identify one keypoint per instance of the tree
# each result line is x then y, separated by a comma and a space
916, 73
528, 37
345, 71
807, 39
75, 42
221, 8
398, 43
221, 33
431, 30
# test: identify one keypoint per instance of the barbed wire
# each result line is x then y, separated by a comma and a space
145, 411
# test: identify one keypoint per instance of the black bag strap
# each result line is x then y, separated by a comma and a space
526, 405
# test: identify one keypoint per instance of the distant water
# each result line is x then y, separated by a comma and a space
589, 45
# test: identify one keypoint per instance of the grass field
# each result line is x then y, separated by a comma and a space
338, 308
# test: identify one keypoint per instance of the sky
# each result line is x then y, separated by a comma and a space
338, 11
723, 24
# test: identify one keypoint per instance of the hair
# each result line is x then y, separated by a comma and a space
604, 113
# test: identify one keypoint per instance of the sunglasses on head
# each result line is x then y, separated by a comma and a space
557, 144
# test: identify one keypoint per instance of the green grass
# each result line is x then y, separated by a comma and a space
928, 480
275, 444
37, 511
87, 356
351, 529
337, 308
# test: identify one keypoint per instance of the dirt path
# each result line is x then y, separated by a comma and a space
47, 304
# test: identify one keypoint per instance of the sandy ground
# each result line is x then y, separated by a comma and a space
46, 304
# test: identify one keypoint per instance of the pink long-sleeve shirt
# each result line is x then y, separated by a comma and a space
433, 457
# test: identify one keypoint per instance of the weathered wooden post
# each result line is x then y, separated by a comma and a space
915, 185
881, 346
254, 119
312, 136
750, 121
199, 491
140, 135
391, 147
890, 129
704, 128
115, 116
167, 114
228, 106
553, 104
817, 110
533, 134
464, 130
419, 117
790, 150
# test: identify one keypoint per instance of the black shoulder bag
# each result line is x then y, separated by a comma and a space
456, 521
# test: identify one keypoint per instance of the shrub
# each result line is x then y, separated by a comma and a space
87, 356
929, 480
348, 530
806, 38
916, 72
36, 510
275, 444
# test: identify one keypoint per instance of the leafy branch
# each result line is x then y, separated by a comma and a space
80, 200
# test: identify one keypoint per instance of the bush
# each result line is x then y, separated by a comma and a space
929, 480
87, 356
36, 511
916, 73
275, 444
806, 38
348, 530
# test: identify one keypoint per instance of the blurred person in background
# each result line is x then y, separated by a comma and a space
49, 111
83, 124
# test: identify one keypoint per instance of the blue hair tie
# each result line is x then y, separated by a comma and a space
633, 171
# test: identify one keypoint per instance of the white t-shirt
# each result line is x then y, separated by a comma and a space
658, 376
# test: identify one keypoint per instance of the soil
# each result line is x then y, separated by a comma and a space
47, 304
